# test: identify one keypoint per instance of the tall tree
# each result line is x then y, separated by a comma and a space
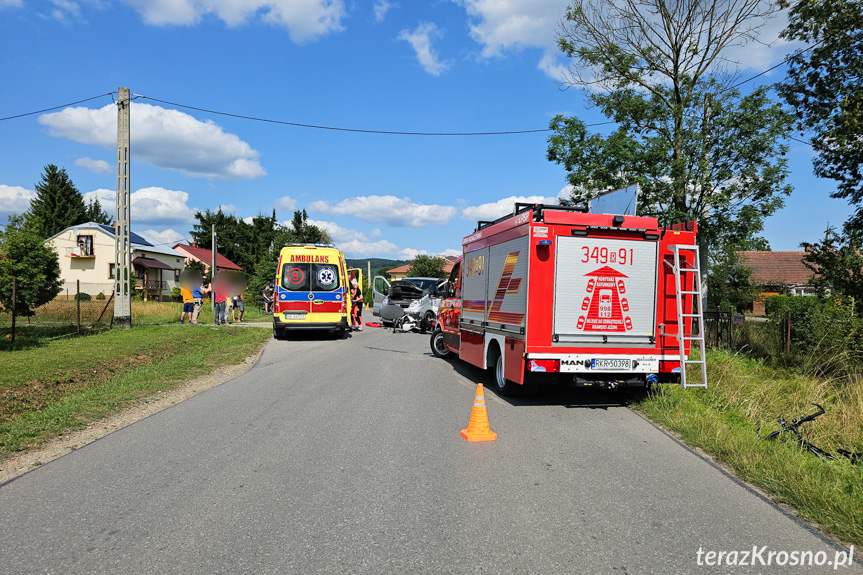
58, 204
94, 213
424, 266
696, 147
25, 257
837, 263
825, 88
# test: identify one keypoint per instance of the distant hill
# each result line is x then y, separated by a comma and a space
377, 264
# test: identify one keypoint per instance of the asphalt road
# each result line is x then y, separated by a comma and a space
345, 457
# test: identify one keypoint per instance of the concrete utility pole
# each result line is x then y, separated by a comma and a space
213, 269
122, 220
704, 261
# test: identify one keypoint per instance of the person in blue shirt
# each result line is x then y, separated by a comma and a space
198, 294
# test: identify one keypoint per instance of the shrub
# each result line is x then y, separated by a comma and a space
83, 296
176, 295
100, 296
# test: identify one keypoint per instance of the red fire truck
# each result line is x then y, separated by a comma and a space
554, 293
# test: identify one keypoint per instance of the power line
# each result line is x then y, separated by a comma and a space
357, 130
56, 107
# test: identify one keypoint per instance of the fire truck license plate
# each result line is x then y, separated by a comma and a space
611, 364
295, 316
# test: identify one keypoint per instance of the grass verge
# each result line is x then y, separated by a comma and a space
744, 395
47, 390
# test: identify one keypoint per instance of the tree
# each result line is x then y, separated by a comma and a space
837, 263
824, 88
94, 213
424, 266
58, 204
305, 233
697, 148
25, 257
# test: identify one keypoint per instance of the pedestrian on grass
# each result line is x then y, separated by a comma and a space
268, 299
198, 294
188, 305
220, 310
357, 306
239, 306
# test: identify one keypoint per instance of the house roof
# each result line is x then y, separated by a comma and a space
776, 268
206, 256
152, 264
404, 269
133, 237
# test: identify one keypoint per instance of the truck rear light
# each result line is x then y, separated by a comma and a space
544, 365
669, 366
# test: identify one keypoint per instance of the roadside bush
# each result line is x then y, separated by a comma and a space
83, 296
176, 295
100, 296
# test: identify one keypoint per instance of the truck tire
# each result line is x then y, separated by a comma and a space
436, 344
502, 385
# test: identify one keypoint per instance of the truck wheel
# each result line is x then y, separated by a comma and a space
503, 386
437, 346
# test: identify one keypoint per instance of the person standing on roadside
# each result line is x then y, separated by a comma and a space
239, 306
220, 301
268, 299
188, 305
357, 306
197, 302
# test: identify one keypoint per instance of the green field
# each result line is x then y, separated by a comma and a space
60, 385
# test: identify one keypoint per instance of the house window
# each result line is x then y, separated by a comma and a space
84, 245
176, 276
111, 268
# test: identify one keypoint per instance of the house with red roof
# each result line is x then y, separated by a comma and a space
205, 256
777, 273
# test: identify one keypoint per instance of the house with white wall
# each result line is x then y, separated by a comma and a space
86, 254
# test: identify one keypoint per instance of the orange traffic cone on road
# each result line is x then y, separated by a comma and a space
477, 427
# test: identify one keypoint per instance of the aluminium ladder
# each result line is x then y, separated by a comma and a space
681, 267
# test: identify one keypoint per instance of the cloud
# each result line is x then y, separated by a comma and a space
10, 4
167, 139
95, 166
393, 211
64, 9
228, 209
420, 39
167, 237
150, 205
381, 8
15, 199
494, 210
451, 252
305, 20
286, 203
518, 24
337, 232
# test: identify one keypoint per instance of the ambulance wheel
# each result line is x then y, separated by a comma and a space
278, 333
437, 346
503, 386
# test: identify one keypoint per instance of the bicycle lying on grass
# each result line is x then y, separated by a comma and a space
793, 428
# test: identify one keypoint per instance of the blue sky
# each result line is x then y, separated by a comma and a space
438, 66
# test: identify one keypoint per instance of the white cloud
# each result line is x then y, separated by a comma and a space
381, 8
228, 209
421, 39
399, 212
305, 20
494, 210
15, 198
337, 232
286, 203
451, 252
95, 166
63, 9
10, 3
150, 205
167, 237
518, 24
167, 139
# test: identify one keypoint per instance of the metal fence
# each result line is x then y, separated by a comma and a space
79, 308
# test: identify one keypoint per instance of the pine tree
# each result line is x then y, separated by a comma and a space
58, 204
94, 213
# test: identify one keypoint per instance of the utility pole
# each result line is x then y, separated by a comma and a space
703, 256
122, 220
213, 270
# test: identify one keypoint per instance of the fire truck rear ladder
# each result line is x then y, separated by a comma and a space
680, 268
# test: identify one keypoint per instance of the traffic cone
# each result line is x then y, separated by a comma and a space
477, 427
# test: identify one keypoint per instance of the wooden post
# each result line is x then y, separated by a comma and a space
78, 304
730, 327
14, 305
788, 334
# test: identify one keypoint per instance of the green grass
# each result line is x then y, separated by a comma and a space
62, 385
744, 395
